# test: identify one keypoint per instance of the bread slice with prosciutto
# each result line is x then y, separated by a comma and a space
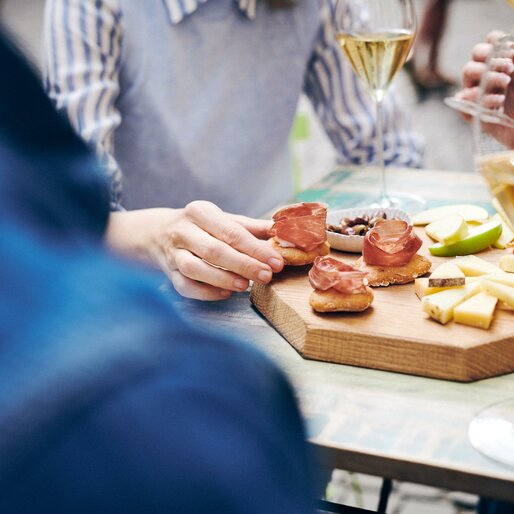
299, 232
389, 254
338, 287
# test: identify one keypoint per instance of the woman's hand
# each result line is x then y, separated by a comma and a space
500, 86
206, 253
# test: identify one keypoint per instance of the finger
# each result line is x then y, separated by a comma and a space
501, 65
196, 290
494, 36
223, 228
481, 52
472, 73
493, 102
218, 253
469, 94
496, 83
196, 269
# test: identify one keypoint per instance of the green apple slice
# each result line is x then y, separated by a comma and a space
448, 230
468, 211
478, 238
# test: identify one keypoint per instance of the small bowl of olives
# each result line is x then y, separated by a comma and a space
346, 228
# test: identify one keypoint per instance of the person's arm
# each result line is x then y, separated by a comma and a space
83, 42
82, 49
346, 109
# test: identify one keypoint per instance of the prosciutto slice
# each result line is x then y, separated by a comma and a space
301, 225
390, 243
328, 273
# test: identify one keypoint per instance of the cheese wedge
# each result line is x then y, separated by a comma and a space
447, 270
440, 306
446, 282
502, 278
507, 263
473, 266
476, 311
501, 291
421, 288
446, 275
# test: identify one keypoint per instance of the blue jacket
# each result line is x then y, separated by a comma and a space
109, 401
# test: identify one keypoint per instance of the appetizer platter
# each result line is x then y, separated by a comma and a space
433, 298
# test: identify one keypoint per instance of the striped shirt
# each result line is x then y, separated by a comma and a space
84, 56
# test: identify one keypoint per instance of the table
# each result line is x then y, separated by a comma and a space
380, 423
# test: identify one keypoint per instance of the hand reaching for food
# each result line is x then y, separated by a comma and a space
206, 253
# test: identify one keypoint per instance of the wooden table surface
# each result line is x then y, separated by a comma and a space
382, 423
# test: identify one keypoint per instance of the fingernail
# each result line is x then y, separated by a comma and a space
240, 285
276, 264
225, 294
264, 276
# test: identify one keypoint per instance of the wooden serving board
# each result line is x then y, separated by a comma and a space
393, 334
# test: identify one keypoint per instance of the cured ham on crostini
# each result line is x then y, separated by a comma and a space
299, 232
389, 254
338, 287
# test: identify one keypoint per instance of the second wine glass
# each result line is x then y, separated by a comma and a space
376, 36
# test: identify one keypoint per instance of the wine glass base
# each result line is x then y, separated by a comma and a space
491, 432
407, 202
473, 109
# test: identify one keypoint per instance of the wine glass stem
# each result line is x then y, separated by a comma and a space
384, 197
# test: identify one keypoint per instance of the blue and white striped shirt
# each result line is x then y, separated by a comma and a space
88, 48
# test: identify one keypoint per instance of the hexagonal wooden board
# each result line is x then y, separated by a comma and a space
393, 334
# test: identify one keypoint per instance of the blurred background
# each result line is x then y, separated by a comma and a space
448, 139
448, 147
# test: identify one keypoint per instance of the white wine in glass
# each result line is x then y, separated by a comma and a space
376, 36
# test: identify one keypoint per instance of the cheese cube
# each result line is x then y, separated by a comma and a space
477, 311
503, 306
507, 263
473, 266
501, 291
440, 306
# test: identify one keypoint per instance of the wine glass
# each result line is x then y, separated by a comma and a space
491, 431
376, 36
